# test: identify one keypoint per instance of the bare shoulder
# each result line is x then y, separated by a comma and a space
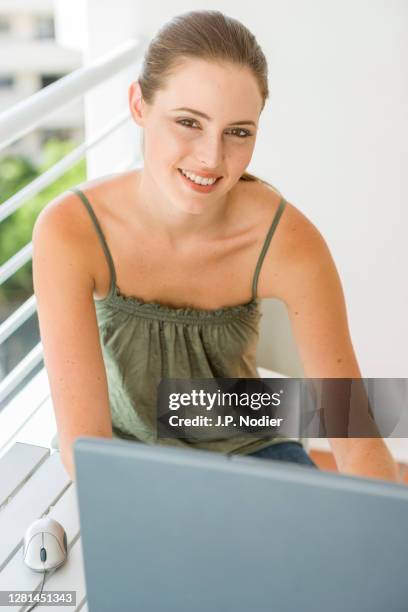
62, 215
295, 230
296, 244
68, 213
66, 221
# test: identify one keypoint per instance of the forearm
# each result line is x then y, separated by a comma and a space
366, 457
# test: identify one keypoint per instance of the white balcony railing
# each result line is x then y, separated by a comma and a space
14, 124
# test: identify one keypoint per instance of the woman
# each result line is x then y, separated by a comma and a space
157, 272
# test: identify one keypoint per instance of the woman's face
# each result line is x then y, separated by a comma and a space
177, 135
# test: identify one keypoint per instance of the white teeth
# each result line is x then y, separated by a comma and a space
198, 179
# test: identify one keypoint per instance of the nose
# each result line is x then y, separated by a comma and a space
210, 152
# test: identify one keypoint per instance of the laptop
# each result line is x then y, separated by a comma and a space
168, 529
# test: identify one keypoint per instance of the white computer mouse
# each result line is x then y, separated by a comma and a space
45, 545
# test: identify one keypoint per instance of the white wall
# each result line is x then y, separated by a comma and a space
332, 139
336, 133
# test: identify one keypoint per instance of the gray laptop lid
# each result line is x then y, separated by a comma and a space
166, 529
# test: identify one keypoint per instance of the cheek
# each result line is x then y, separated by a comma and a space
240, 156
163, 145
177, 149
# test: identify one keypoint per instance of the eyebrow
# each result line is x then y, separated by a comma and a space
204, 116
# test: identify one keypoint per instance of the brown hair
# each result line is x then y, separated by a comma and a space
207, 35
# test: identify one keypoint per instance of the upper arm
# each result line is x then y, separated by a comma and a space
310, 287
63, 286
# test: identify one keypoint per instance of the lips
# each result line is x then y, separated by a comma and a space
201, 174
198, 187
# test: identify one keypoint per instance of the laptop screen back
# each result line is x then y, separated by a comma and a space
169, 529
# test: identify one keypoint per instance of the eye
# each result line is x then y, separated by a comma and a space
242, 133
186, 121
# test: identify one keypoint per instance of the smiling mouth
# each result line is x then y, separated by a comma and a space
216, 180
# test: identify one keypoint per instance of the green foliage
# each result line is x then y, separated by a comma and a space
16, 230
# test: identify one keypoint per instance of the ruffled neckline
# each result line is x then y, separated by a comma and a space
131, 303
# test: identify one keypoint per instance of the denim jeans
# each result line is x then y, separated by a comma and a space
285, 451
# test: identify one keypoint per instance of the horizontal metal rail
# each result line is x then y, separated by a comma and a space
14, 124
22, 369
16, 262
58, 169
28, 114
18, 317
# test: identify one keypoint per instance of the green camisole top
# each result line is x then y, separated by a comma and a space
143, 342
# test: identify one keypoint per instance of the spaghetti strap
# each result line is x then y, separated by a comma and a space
268, 238
102, 239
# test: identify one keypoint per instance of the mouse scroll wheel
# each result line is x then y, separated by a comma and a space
43, 554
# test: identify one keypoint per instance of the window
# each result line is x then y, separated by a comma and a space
4, 25
45, 28
47, 79
6, 81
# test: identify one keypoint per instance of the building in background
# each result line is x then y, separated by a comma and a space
30, 59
